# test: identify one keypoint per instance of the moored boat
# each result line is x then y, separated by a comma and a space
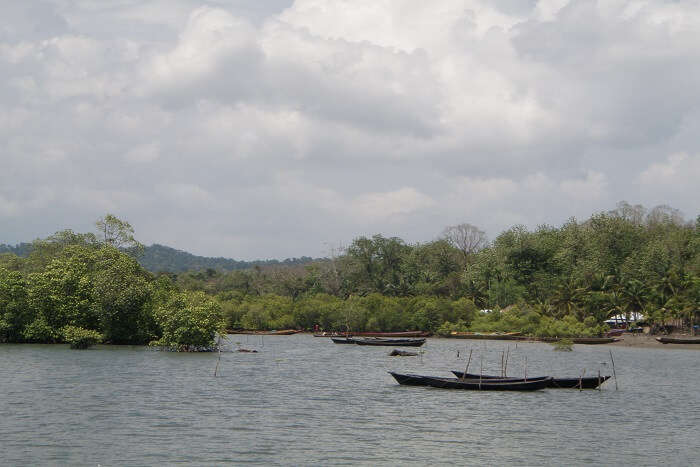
282, 332
394, 334
408, 342
471, 384
475, 335
343, 340
678, 340
588, 382
594, 340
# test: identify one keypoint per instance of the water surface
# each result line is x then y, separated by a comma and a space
303, 400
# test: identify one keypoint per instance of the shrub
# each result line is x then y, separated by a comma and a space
80, 338
564, 345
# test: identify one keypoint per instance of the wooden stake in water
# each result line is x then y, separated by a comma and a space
481, 373
599, 388
503, 355
467, 368
580, 380
505, 368
525, 367
218, 344
614, 374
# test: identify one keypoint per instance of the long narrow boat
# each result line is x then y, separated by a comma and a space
594, 340
471, 384
343, 340
394, 334
282, 332
589, 382
678, 340
419, 380
408, 342
499, 337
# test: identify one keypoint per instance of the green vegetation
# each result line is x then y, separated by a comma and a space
550, 282
80, 338
82, 289
564, 345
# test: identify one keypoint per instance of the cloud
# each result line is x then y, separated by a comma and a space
266, 129
401, 202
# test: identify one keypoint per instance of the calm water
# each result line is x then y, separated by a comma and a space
303, 400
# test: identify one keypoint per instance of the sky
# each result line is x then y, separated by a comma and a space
275, 129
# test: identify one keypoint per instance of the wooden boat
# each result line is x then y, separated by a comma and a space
500, 337
375, 334
408, 342
283, 332
594, 340
678, 340
589, 382
471, 384
343, 340
394, 334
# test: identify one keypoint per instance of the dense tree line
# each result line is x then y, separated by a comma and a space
615, 263
81, 288
550, 281
159, 258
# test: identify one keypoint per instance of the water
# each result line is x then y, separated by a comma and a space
303, 400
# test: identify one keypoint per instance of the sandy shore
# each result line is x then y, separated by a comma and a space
650, 342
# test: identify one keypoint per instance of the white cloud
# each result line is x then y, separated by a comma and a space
401, 202
276, 130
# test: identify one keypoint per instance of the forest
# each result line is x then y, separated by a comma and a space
551, 281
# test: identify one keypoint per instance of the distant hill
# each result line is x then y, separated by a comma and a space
157, 258
21, 249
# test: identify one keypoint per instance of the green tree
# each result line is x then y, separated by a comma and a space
189, 321
119, 234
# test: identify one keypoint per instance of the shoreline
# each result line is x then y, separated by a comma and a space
649, 342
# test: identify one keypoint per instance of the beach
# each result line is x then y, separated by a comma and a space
649, 341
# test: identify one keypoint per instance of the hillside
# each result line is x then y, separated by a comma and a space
157, 258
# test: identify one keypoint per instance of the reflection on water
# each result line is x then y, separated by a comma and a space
305, 400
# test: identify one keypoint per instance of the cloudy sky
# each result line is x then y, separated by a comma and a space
251, 129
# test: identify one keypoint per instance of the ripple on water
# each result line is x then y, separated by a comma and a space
304, 400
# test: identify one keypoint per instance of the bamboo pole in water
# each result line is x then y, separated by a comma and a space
218, 360
525, 367
614, 374
468, 362
481, 373
505, 368
580, 380
503, 355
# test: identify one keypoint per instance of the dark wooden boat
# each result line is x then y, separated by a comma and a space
375, 334
394, 334
471, 384
282, 332
408, 342
594, 340
419, 380
499, 337
589, 382
678, 340
580, 340
343, 340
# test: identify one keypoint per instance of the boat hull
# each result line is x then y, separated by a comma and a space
677, 340
391, 342
589, 382
472, 385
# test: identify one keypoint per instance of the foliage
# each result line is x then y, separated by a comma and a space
550, 282
565, 345
80, 338
448, 328
189, 321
